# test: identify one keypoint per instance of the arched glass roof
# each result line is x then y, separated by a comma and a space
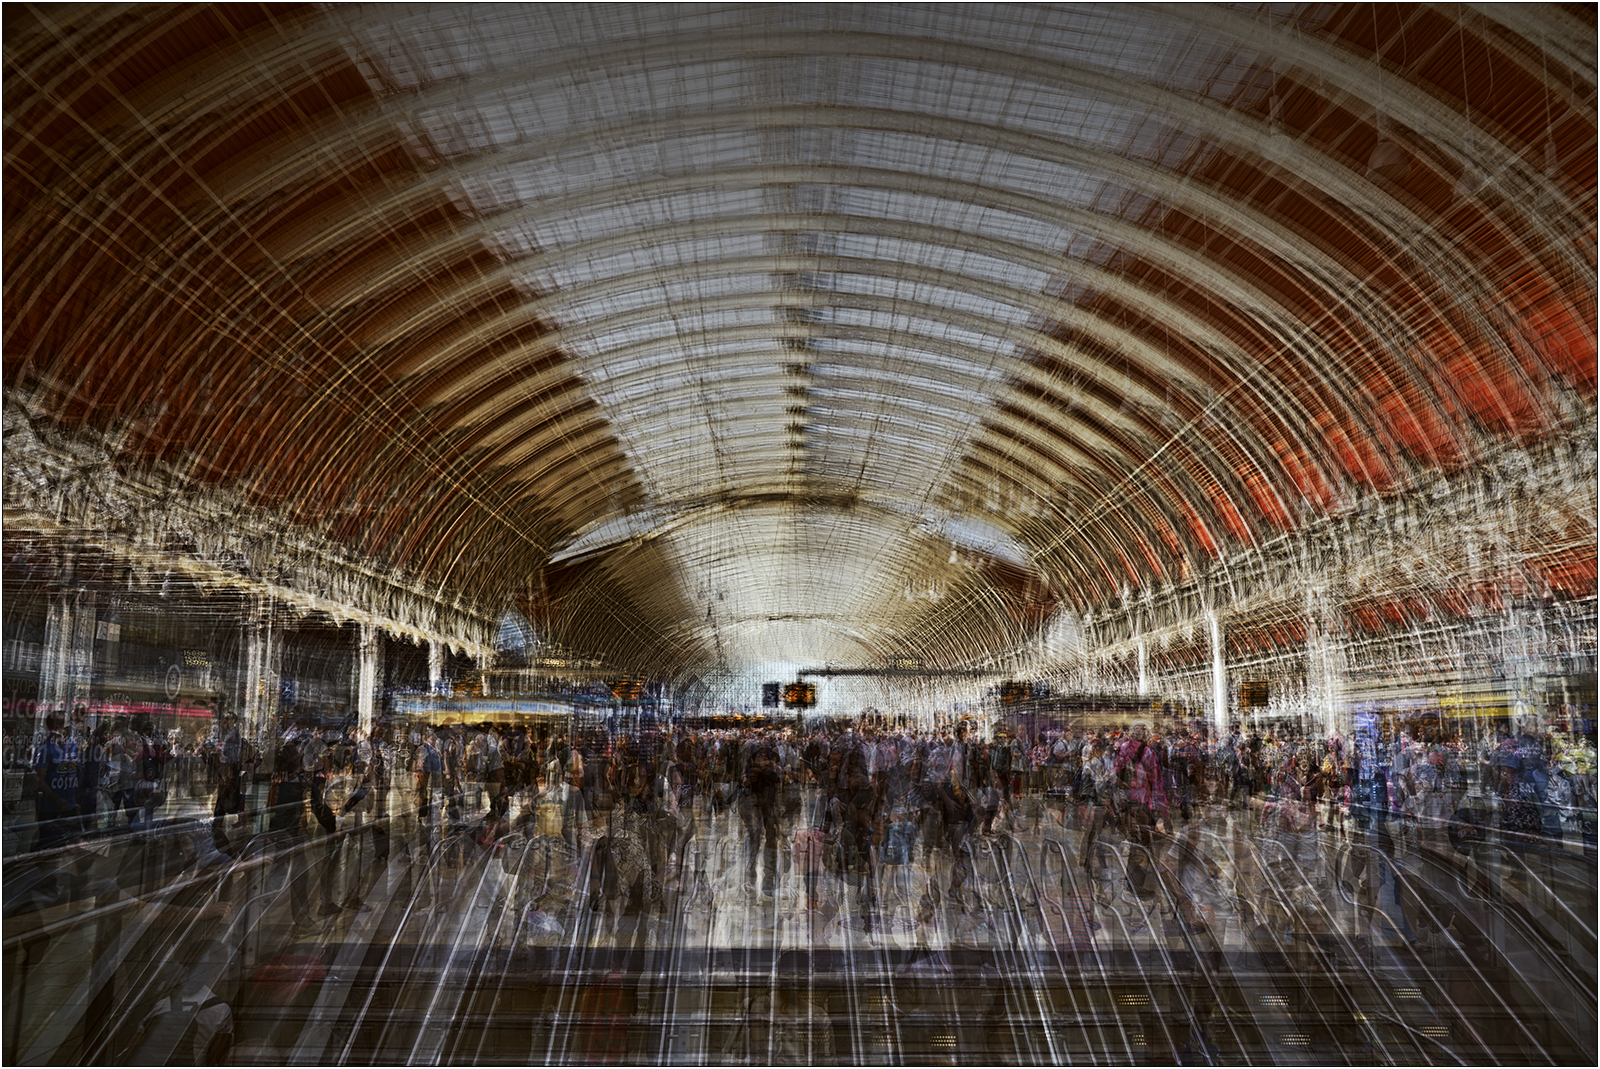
780, 333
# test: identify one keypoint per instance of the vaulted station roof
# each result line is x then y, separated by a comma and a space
801, 333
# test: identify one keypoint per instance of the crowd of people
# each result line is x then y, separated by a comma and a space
852, 804
121, 771
853, 798
858, 800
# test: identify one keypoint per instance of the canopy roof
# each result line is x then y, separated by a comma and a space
733, 334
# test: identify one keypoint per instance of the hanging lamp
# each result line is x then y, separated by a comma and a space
1549, 194
1471, 179
1279, 145
1388, 160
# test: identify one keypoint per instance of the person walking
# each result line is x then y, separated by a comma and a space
55, 770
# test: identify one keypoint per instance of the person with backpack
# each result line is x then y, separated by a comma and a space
904, 803
285, 795
452, 743
762, 778
230, 758
55, 770
1000, 763
150, 767
516, 756
1142, 798
486, 761
428, 774
89, 760
951, 810
1101, 809
859, 800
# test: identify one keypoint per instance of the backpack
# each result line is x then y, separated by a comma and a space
286, 764
428, 759
856, 765
153, 756
483, 755
287, 805
1125, 774
898, 843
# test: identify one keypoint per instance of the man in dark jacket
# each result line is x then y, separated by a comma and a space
762, 778
856, 813
1000, 765
1144, 803
55, 770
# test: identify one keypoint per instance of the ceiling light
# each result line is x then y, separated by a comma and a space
1278, 145
1388, 160
1471, 180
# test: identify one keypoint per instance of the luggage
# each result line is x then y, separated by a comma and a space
288, 807
428, 759
898, 842
548, 818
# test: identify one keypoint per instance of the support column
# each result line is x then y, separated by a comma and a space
1090, 672
436, 680
1144, 666
263, 654
1325, 662
1219, 676
370, 678
483, 670
67, 659
55, 654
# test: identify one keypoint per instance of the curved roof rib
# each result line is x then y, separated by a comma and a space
792, 334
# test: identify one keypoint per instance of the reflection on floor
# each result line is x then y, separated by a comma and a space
403, 940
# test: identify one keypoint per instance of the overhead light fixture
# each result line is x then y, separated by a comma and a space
1471, 180
1549, 194
1279, 145
1388, 160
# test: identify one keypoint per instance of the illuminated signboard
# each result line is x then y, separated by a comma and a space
800, 695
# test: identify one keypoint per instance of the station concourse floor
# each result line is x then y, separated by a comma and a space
444, 947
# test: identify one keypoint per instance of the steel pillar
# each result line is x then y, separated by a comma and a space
1219, 675
370, 678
